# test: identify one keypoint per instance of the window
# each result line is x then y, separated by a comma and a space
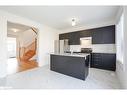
11, 42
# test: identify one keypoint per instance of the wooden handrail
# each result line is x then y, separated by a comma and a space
35, 31
35, 43
19, 51
32, 46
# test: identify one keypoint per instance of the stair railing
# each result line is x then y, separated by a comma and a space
32, 46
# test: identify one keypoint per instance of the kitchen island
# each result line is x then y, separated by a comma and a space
75, 65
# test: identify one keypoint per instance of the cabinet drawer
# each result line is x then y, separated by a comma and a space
96, 63
96, 55
96, 58
103, 61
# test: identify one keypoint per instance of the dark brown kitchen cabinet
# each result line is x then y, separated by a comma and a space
109, 35
63, 36
102, 35
104, 61
97, 36
74, 38
85, 33
96, 60
109, 61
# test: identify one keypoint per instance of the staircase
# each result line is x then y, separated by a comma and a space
26, 53
29, 54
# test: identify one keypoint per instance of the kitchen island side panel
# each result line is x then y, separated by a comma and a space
69, 65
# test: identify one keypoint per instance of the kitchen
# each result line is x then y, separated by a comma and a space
76, 52
89, 55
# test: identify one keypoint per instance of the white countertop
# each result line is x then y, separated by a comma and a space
74, 55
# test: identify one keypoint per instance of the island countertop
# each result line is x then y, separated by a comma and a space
73, 54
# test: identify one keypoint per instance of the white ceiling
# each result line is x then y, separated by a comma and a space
19, 27
59, 17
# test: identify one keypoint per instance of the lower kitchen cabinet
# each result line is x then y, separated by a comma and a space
104, 61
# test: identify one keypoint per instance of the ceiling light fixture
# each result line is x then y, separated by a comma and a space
73, 22
14, 30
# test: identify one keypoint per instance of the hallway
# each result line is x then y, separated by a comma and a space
14, 65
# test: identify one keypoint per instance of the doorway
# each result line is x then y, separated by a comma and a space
12, 62
22, 47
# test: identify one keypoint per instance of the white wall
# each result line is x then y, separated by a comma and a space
3, 46
104, 48
45, 42
121, 48
125, 48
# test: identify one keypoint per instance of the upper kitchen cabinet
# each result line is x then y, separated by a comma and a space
97, 36
85, 33
109, 35
74, 38
104, 35
63, 36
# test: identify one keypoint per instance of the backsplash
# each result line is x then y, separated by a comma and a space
104, 48
75, 48
97, 48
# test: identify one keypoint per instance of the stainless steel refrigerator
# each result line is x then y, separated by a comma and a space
61, 46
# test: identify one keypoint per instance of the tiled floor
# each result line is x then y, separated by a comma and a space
43, 78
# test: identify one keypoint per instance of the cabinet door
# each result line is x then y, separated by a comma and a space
109, 61
96, 60
63, 36
104, 61
97, 36
109, 35
74, 38
85, 33
104, 35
